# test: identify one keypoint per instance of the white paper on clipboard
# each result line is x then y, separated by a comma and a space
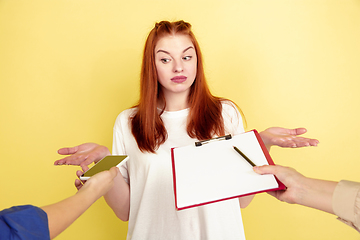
215, 171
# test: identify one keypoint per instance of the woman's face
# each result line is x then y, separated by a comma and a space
176, 64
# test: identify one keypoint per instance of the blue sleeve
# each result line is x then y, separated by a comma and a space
24, 222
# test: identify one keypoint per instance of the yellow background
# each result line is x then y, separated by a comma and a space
68, 68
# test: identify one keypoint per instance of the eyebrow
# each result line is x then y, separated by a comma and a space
169, 53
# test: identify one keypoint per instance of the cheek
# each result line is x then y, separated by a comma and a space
159, 70
194, 66
194, 69
161, 75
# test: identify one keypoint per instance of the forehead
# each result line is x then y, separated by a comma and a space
173, 43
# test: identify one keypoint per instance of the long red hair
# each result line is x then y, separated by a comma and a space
205, 118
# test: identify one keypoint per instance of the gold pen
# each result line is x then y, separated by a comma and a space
244, 156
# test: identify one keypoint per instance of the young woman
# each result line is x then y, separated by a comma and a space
175, 109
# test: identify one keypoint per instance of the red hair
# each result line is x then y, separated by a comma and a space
205, 117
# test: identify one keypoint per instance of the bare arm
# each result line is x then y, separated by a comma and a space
62, 214
301, 190
118, 198
282, 137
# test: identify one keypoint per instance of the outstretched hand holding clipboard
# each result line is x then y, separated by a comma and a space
212, 171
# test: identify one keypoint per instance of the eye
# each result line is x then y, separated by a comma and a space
187, 58
165, 60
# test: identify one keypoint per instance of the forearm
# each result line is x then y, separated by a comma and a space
316, 193
62, 214
118, 198
245, 201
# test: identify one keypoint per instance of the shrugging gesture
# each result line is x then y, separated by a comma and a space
87, 153
83, 154
287, 138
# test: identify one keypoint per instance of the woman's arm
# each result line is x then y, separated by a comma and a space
281, 137
118, 198
62, 214
301, 190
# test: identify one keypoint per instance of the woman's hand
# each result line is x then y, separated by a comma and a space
100, 183
79, 183
301, 190
284, 137
83, 154
291, 179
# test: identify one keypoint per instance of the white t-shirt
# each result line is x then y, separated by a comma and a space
152, 204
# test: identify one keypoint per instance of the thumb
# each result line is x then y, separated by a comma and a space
67, 151
265, 169
114, 171
298, 131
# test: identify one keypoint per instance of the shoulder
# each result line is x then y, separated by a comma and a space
232, 117
126, 114
229, 107
25, 217
124, 117
23, 209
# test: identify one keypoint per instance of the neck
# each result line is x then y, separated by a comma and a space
175, 102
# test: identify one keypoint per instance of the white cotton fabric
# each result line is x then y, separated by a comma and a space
152, 204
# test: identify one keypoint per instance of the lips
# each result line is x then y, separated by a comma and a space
179, 79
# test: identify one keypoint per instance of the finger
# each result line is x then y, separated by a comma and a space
305, 142
58, 162
265, 169
285, 143
67, 151
88, 160
289, 144
314, 142
79, 173
71, 160
114, 171
64, 162
78, 184
301, 142
298, 131
84, 168
76, 159
297, 142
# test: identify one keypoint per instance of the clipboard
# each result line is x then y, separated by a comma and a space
213, 171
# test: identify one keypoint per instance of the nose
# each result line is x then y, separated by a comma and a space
178, 66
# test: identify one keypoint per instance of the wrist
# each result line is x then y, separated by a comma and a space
265, 140
316, 194
303, 190
90, 192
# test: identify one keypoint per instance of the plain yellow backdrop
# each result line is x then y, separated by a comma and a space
68, 68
